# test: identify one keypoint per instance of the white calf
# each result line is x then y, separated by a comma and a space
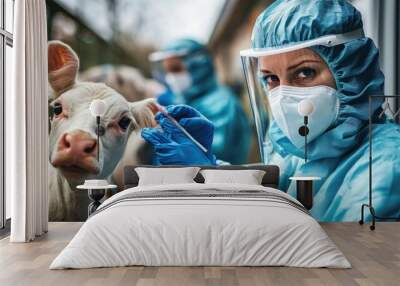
73, 144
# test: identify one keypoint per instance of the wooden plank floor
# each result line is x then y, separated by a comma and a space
375, 257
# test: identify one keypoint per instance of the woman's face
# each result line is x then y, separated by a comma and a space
302, 68
173, 65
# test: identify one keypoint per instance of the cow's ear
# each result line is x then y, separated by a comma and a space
63, 66
143, 112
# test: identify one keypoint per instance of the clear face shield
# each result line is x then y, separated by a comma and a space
164, 62
287, 84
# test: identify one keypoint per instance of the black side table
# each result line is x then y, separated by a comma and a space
304, 190
95, 193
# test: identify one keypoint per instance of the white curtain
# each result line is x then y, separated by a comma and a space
27, 119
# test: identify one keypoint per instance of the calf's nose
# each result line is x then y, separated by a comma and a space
78, 144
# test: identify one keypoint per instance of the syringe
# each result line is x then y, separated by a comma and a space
176, 123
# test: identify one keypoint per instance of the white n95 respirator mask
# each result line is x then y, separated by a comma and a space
284, 101
178, 82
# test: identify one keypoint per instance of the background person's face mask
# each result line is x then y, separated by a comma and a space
178, 82
284, 102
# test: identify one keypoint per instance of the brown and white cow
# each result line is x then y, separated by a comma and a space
73, 145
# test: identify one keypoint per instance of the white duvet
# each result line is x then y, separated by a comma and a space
188, 231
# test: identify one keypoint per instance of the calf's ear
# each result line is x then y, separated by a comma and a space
143, 112
63, 66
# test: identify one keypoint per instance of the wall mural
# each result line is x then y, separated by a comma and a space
306, 110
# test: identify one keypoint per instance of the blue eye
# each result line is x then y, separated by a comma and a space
270, 79
306, 73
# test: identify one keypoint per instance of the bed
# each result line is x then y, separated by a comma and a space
198, 224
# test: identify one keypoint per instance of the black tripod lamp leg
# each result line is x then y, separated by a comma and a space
373, 215
372, 226
361, 221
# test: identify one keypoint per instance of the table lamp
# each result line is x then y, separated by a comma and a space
97, 109
305, 108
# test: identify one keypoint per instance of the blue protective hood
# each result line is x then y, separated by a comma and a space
354, 65
199, 64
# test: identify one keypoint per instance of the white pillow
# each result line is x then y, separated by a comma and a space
164, 176
248, 177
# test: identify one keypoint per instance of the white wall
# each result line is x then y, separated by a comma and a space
370, 14
8, 85
381, 23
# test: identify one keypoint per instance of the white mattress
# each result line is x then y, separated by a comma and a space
189, 231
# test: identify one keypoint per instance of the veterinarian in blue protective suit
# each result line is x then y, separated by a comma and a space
337, 74
195, 84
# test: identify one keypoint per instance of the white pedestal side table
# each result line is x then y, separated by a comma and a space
95, 193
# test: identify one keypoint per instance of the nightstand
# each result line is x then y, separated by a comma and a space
95, 193
304, 190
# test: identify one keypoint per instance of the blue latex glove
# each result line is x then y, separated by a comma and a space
165, 98
172, 146
192, 120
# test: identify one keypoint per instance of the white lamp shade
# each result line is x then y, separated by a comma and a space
305, 107
98, 107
